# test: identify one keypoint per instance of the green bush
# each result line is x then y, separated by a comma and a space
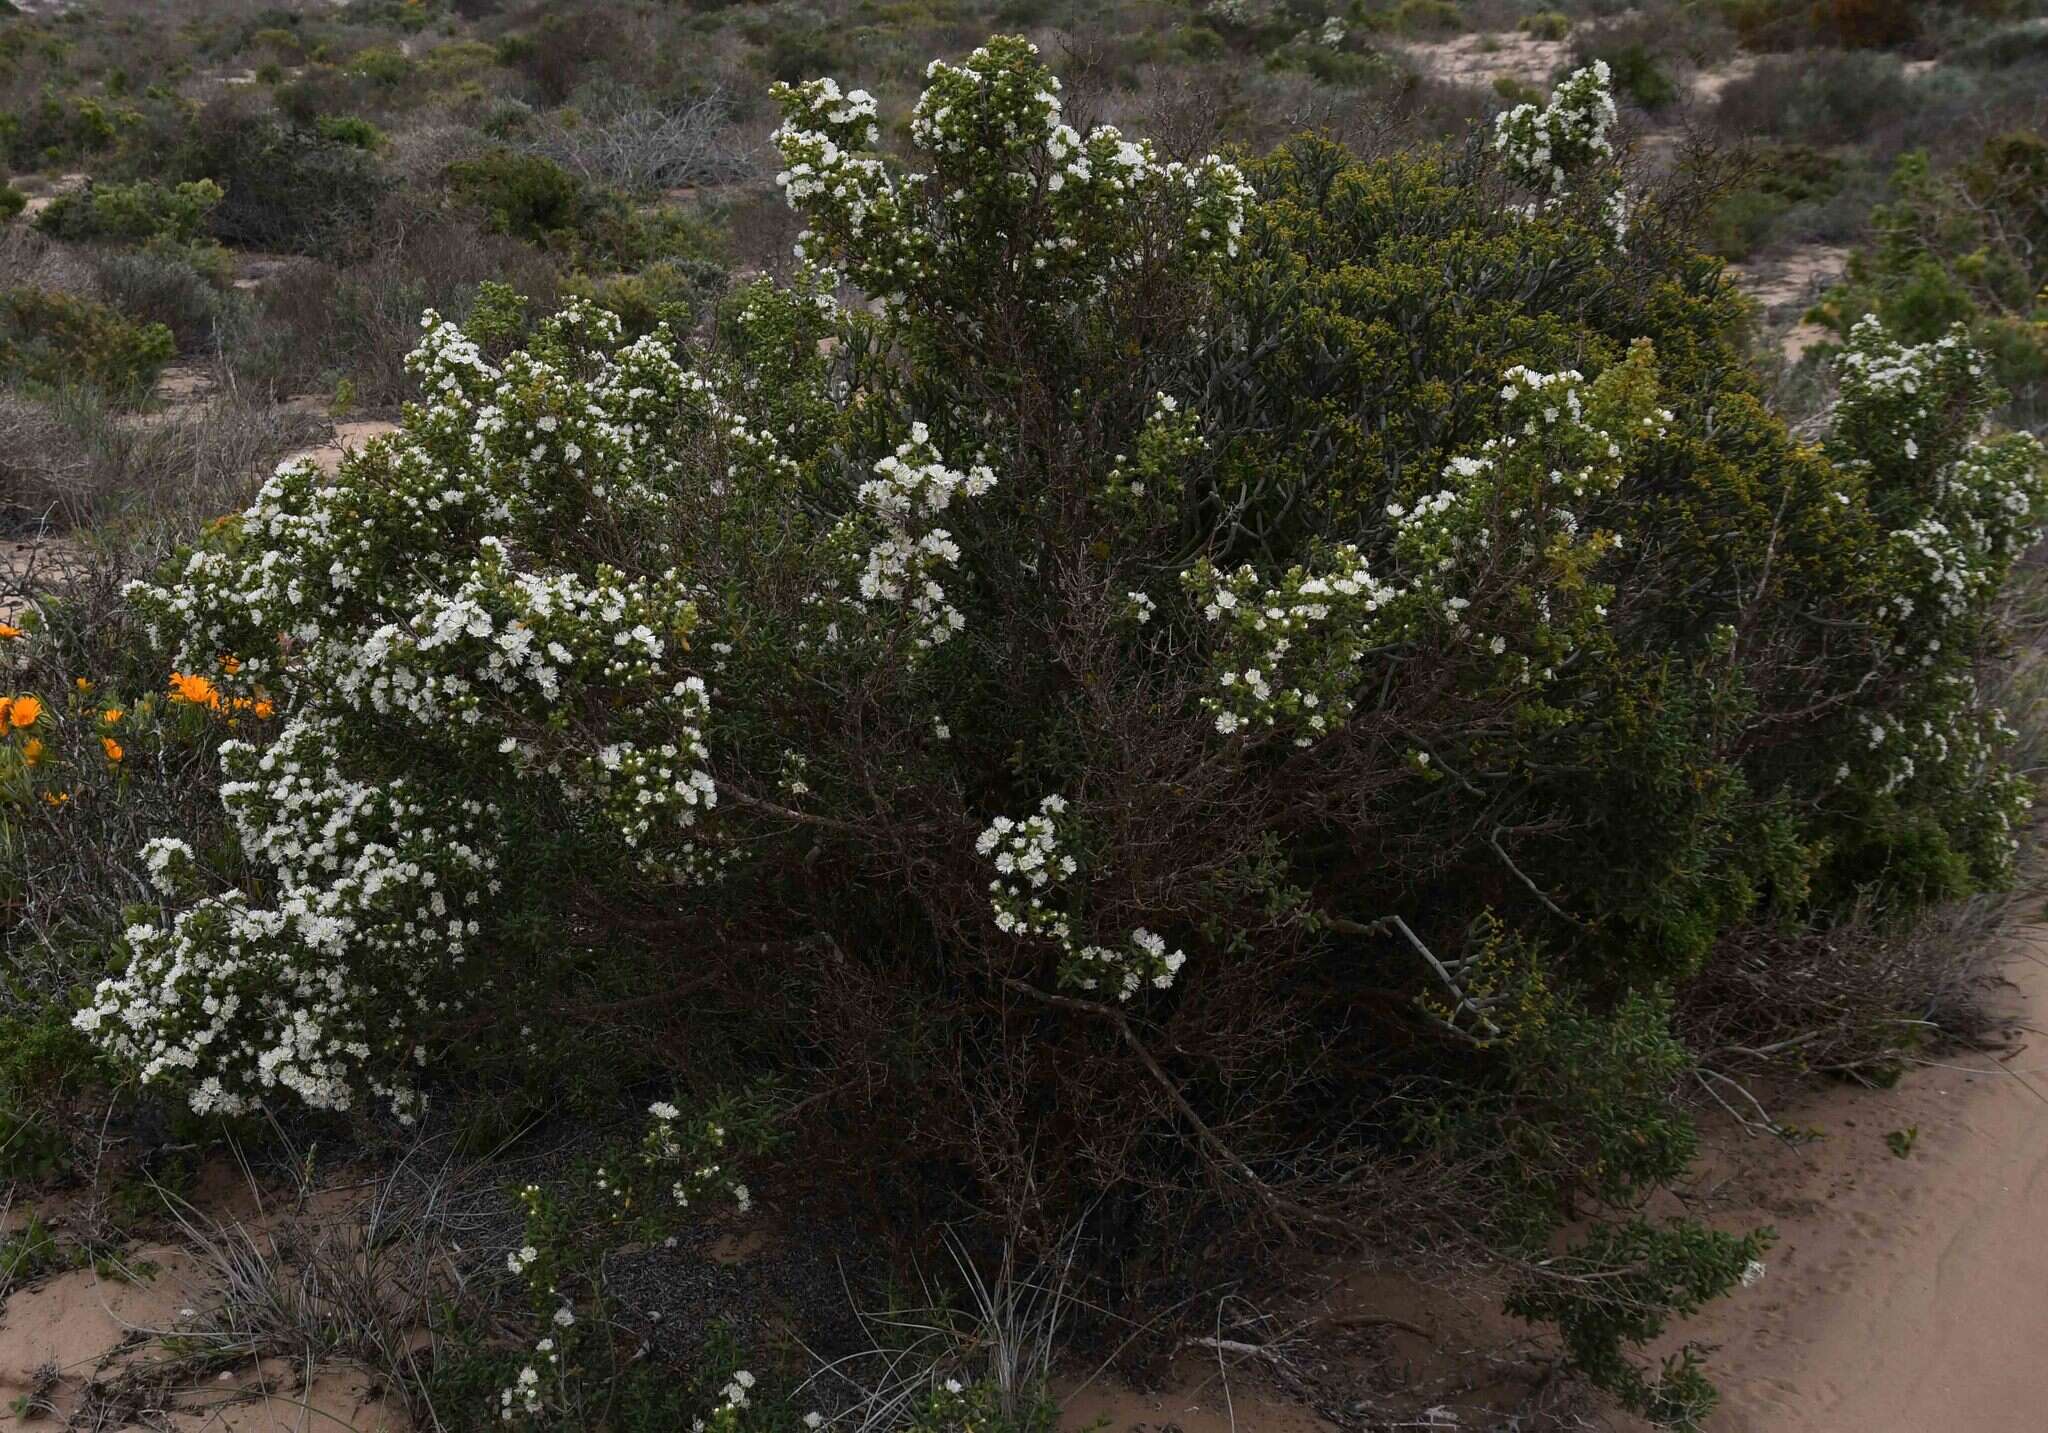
1636, 73
1546, 25
285, 188
1199, 42
348, 129
1786, 177
57, 340
525, 195
1829, 98
1349, 68
61, 129
166, 287
2009, 45
136, 213
1853, 24
12, 202
1422, 17
675, 292
792, 52
1967, 246
1868, 24
388, 68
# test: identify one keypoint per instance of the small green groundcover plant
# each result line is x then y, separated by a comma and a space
1248, 683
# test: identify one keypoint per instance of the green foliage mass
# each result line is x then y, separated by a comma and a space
138, 213
57, 340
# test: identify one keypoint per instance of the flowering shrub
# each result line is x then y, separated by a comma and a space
1957, 510
1005, 164
1397, 692
1965, 245
1545, 148
1564, 146
1032, 872
639, 1193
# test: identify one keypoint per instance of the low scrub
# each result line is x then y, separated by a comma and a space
57, 340
285, 188
136, 213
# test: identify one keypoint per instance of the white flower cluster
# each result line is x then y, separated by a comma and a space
1908, 377
994, 132
733, 1398
667, 1148
1545, 147
912, 487
523, 1398
378, 888
1167, 446
1566, 144
1029, 863
1288, 655
1961, 508
428, 609
169, 863
1029, 898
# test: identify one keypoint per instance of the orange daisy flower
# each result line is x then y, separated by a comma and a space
194, 689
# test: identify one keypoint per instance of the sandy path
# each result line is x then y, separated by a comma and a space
1905, 1295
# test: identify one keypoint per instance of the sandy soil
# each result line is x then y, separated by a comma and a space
1708, 84
1906, 1294
85, 1345
1479, 59
1783, 287
348, 436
